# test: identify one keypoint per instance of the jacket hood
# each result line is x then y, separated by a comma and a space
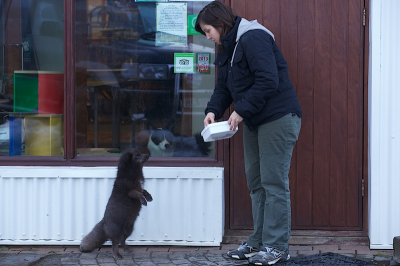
246, 26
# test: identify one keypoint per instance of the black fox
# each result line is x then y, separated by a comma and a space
123, 206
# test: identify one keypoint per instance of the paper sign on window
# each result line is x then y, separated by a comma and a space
203, 63
184, 62
171, 24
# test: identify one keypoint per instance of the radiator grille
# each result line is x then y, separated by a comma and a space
61, 205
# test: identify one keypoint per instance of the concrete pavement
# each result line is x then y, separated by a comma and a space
169, 255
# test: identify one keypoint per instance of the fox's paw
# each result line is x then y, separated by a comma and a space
82, 248
147, 195
143, 200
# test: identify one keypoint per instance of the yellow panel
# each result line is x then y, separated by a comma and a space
43, 135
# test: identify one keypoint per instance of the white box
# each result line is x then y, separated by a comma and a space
217, 131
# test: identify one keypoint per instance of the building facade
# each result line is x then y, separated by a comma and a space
84, 80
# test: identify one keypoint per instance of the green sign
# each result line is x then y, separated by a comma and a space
183, 62
191, 23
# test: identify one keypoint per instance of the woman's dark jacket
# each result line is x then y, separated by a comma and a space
257, 78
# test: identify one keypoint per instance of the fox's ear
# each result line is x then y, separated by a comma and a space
128, 157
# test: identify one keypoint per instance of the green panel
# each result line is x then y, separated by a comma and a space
26, 92
191, 23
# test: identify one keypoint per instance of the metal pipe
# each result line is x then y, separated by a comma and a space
22, 57
4, 60
22, 53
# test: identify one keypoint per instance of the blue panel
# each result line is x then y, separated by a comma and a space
15, 136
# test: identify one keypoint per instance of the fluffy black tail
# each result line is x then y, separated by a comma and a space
95, 239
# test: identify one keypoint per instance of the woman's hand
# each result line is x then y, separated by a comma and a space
234, 120
210, 118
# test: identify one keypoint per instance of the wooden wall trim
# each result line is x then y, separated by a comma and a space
365, 128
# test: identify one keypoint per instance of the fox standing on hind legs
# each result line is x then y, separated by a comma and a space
123, 206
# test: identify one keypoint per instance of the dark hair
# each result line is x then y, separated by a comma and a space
218, 15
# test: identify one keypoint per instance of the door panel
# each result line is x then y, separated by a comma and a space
322, 41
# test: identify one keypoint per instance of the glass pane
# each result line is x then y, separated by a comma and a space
137, 80
31, 78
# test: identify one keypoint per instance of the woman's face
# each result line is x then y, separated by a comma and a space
211, 33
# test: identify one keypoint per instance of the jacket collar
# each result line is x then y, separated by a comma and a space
228, 41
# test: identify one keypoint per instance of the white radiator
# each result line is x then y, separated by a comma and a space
59, 205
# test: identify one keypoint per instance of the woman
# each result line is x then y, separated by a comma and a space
253, 74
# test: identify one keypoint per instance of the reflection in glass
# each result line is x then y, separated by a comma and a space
127, 92
31, 78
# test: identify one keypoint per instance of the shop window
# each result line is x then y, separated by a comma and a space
32, 78
142, 79
131, 88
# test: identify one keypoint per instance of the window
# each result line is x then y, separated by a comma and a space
141, 78
32, 83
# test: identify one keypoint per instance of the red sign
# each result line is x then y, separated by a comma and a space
203, 63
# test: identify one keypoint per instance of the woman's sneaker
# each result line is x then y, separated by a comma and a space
269, 256
243, 252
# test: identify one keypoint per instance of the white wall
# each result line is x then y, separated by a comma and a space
384, 123
60, 205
